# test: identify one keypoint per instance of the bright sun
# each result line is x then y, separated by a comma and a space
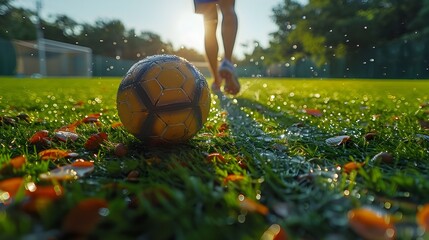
190, 32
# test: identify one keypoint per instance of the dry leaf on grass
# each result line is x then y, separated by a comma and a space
84, 217
338, 140
314, 112
95, 140
251, 205
371, 225
78, 169
53, 154
352, 166
422, 217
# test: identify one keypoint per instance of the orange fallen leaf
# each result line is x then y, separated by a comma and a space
422, 217
221, 134
84, 217
314, 112
95, 140
53, 154
352, 166
116, 124
40, 197
69, 128
232, 178
91, 118
49, 192
251, 205
214, 156
81, 167
36, 205
370, 225
18, 162
223, 127
39, 137
11, 185
82, 163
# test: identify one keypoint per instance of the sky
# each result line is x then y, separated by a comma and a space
174, 20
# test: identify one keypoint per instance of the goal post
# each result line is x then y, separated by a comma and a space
62, 59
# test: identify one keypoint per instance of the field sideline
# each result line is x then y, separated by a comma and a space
309, 159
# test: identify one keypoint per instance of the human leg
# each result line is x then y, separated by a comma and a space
229, 33
229, 26
210, 14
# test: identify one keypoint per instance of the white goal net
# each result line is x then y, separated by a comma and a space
61, 59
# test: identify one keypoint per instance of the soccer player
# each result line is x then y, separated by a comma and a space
209, 9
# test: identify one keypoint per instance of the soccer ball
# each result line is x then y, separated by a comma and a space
163, 99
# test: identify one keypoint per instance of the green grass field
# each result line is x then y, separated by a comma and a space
275, 164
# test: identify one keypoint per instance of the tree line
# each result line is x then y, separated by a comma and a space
324, 30
105, 37
319, 30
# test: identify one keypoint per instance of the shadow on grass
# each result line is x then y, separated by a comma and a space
264, 134
293, 184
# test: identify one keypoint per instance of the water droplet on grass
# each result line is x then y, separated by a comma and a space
241, 218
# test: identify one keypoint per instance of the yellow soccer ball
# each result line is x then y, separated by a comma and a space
163, 99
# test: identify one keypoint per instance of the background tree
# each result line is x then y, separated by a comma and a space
255, 62
420, 23
190, 54
326, 29
62, 28
105, 37
16, 22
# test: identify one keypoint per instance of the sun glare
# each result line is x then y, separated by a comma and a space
190, 32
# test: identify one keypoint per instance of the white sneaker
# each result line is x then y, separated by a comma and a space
227, 71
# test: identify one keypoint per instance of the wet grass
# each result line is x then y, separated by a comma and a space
277, 148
